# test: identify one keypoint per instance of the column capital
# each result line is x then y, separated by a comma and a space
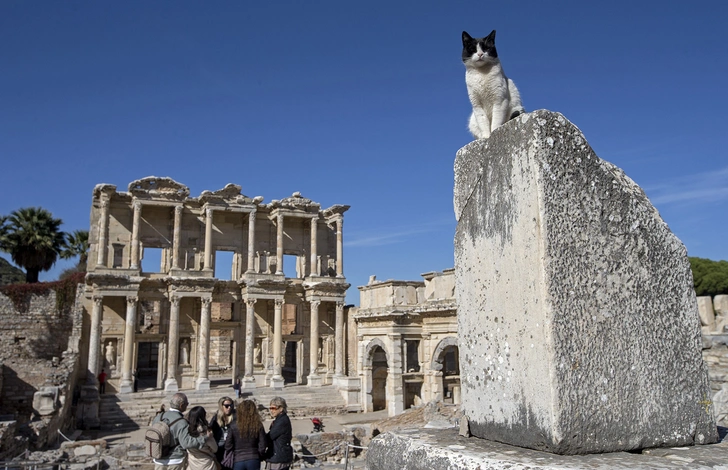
174, 300
208, 212
206, 301
279, 302
251, 215
98, 299
250, 302
315, 303
104, 203
137, 205
132, 300
178, 209
339, 304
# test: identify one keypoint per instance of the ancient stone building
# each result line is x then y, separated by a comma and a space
163, 303
406, 335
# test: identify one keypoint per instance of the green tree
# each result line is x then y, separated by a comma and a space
33, 238
76, 244
709, 277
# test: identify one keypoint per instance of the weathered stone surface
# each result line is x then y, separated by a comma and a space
578, 323
443, 449
707, 315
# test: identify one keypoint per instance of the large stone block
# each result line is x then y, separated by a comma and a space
578, 323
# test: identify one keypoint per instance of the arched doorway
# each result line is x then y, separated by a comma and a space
379, 379
450, 372
446, 365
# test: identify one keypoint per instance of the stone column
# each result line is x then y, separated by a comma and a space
176, 236
339, 340
203, 351
127, 379
340, 247
103, 228
277, 379
208, 239
170, 384
94, 344
314, 254
251, 244
134, 264
249, 378
314, 380
279, 245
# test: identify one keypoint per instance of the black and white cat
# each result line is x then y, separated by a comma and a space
494, 96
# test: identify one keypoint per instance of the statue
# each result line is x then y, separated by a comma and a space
256, 353
111, 354
184, 354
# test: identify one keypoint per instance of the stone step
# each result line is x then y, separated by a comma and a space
134, 411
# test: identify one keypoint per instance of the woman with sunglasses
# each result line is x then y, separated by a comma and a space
280, 452
247, 439
220, 425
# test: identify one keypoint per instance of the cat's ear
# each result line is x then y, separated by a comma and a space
466, 37
490, 39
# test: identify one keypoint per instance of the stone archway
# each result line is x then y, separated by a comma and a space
376, 367
446, 368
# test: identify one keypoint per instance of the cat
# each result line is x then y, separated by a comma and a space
494, 96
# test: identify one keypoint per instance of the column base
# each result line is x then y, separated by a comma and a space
202, 384
277, 382
248, 383
315, 381
170, 385
126, 386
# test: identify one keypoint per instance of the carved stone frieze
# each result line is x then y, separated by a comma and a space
164, 188
295, 202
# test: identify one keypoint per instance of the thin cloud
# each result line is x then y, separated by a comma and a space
698, 188
388, 237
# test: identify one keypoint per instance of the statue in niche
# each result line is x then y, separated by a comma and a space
331, 268
271, 268
267, 261
184, 353
256, 265
330, 355
110, 355
318, 265
256, 353
321, 351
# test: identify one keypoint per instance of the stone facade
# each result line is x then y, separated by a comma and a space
278, 317
406, 332
578, 322
39, 353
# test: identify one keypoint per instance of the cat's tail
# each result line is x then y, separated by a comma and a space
516, 104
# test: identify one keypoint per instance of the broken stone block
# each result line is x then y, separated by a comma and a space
45, 400
707, 315
578, 322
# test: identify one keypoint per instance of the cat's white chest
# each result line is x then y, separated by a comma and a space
486, 87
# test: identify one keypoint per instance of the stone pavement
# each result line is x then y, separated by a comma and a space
444, 449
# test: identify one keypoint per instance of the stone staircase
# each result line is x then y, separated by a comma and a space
133, 411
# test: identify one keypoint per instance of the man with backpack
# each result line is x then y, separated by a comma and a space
179, 430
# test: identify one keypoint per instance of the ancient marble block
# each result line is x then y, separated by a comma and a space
707, 315
578, 322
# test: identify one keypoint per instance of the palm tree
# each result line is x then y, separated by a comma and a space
76, 245
33, 238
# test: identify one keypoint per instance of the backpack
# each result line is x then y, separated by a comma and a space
158, 439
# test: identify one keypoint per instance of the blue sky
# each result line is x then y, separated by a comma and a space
359, 103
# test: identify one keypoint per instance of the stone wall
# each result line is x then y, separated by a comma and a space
39, 352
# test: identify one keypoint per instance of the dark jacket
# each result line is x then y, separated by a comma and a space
181, 432
280, 436
246, 448
219, 434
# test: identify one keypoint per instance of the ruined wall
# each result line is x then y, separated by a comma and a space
39, 345
715, 355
